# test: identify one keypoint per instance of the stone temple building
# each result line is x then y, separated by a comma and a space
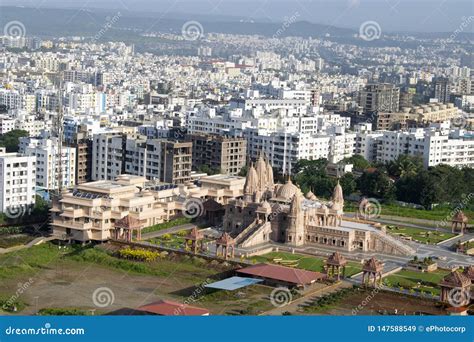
269, 212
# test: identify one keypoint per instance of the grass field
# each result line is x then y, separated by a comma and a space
421, 235
309, 263
15, 240
29, 261
56, 273
173, 223
437, 214
418, 281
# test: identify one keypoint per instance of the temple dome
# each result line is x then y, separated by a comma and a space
251, 182
288, 190
261, 170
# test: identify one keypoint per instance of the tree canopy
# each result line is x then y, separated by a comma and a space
11, 139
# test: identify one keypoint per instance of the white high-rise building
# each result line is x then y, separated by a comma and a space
434, 145
48, 162
17, 183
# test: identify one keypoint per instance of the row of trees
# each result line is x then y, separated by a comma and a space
404, 179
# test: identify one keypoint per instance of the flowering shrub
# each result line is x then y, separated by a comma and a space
138, 254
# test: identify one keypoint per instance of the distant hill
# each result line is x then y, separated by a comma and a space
63, 22
49, 22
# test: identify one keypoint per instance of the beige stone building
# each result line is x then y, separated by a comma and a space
280, 213
417, 116
90, 211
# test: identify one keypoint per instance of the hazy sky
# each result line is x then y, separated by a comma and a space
392, 15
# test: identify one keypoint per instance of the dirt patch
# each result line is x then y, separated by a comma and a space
384, 303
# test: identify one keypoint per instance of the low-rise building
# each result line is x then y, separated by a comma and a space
90, 211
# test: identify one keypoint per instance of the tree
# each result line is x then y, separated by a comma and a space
11, 140
359, 162
311, 174
376, 184
348, 183
404, 166
429, 190
209, 170
311, 167
243, 171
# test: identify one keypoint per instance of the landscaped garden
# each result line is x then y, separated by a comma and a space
427, 282
170, 224
440, 213
310, 263
420, 235
175, 240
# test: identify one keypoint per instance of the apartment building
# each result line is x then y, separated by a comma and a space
90, 211
434, 145
380, 97
17, 182
23, 122
50, 162
224, 153
116, 153
442, 89
417, 116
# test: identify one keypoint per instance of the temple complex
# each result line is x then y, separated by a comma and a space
269, 212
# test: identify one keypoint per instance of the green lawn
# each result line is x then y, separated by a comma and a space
437, 214
169, 240
421, 235
305, 262
170, 224
29, 261
419, 281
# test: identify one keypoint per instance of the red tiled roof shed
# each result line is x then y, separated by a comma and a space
170, 308
281, 273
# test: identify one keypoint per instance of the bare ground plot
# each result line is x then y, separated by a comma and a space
69, 282
382, 303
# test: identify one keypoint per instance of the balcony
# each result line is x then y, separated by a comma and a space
72, 224
73, 213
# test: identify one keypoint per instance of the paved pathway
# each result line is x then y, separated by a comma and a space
30, 244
